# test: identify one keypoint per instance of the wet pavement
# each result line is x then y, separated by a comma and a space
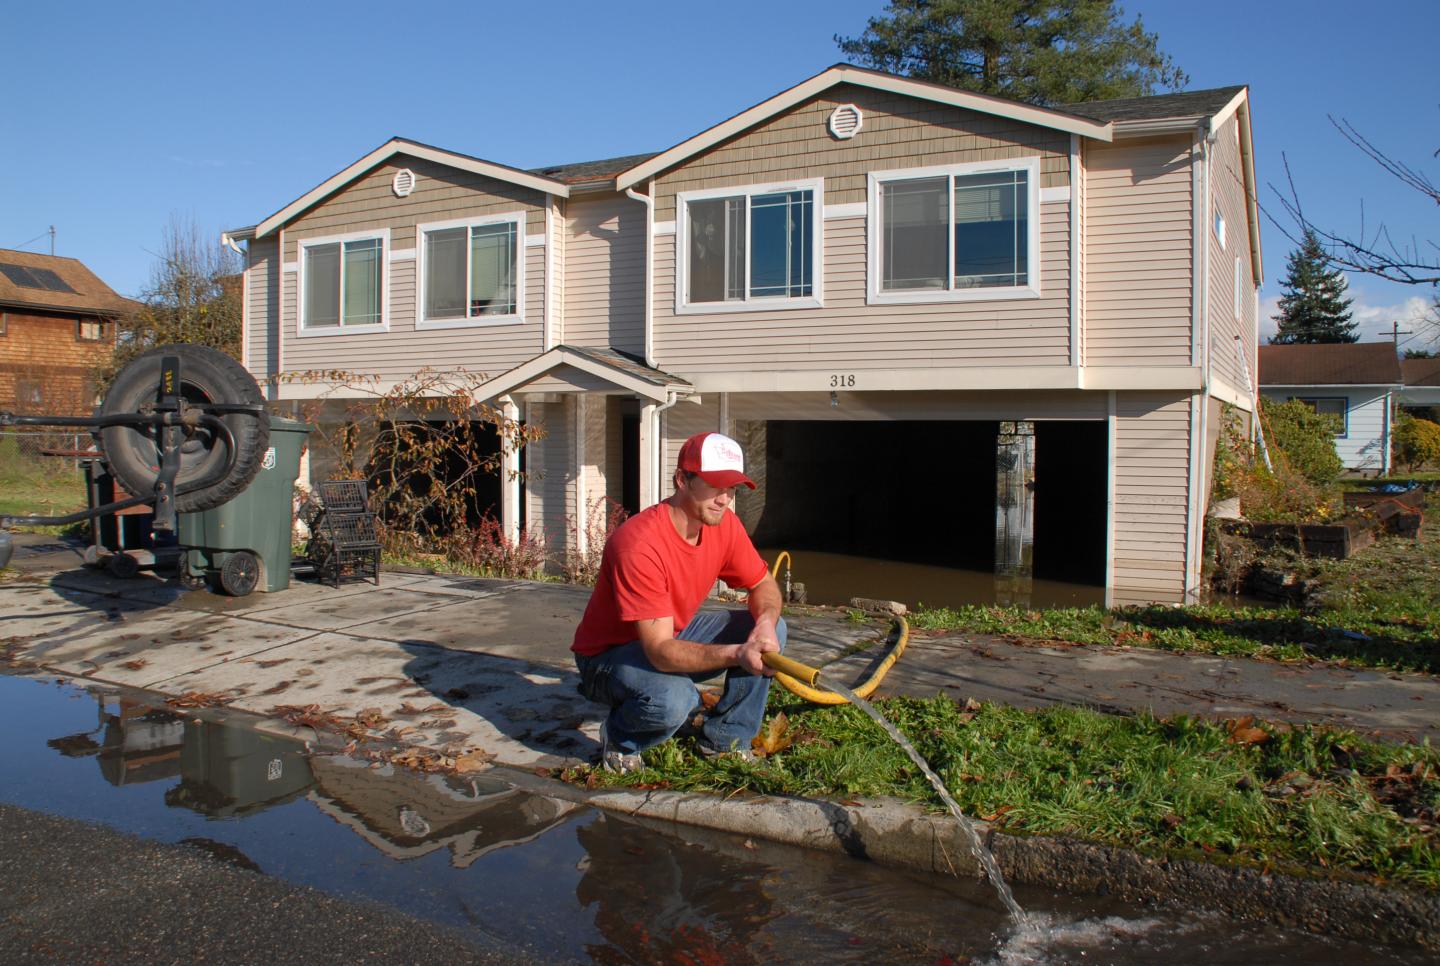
484, 665
136, 832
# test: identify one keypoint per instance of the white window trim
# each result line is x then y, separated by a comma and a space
383, 234
519, 220
874, 227
682, 250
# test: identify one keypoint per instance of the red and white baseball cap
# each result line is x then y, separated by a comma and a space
716, 459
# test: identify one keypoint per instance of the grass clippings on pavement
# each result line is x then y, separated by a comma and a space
1263, 794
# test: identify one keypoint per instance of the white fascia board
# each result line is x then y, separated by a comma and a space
999, 107
1331, 385
516, 378
1176, 378
1218, 119
237, 234
1153, 126
1252, 199
400, 146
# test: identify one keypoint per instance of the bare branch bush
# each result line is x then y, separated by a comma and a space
425, 447
602, 516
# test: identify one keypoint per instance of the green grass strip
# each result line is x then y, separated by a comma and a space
1307, 797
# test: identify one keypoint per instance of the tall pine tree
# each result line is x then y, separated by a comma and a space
1314, 306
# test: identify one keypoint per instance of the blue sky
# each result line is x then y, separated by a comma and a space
120, 116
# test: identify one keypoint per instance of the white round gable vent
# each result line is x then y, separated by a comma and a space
845, 121
404, 182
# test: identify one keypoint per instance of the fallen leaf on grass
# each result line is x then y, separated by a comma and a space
1243, 731
773, 739
996, 814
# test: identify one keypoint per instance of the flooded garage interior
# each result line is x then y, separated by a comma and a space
940, 512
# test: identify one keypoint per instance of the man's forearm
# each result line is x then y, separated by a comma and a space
675, 656
765, 602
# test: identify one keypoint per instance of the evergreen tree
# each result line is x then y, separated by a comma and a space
1040, 51
1314, 306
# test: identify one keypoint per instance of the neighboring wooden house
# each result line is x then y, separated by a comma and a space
1420, 392
57, 323
1355, 382
861, 278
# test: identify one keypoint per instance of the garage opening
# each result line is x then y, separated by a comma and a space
907, 510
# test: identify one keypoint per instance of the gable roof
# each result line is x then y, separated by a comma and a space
1338, 364
55, 283
876, 80
383, 153
1420, 372
611, 365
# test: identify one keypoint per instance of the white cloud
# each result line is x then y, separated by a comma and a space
1374, 313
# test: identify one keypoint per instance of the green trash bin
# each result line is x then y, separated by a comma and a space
244, 545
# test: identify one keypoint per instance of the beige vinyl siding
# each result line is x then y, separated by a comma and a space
898, 132
679, 423
1138, 227
1227, 196
262, 309
605, 273
847, 332
440, 194
1152, 488
550, 476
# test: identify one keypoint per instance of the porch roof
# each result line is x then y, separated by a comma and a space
595, 368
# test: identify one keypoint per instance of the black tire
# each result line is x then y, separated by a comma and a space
240, 573
206, 376
122, 566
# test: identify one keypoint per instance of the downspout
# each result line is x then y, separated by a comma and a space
649, 202
1198, 471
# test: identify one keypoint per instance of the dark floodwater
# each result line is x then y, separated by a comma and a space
556, 882
834, 578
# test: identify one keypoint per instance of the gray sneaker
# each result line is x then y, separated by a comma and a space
735, 754
616, 761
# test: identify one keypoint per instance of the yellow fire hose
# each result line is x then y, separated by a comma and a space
800, 679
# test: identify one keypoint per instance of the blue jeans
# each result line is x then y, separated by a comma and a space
647, 706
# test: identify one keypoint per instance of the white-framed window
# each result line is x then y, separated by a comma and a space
1220, 229
1336, 407
342, 283
750, 249
471, 271
958, 233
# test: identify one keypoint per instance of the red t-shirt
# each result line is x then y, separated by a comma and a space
649, 571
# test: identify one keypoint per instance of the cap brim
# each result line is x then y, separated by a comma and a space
724, 479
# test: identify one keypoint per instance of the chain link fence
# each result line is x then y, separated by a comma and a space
34, 449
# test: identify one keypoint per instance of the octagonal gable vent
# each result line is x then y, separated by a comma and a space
404, 182
845, 121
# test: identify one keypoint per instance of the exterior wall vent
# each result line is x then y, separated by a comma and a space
845, 121
404, 182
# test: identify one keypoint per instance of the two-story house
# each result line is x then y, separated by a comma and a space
865, 279
57, 324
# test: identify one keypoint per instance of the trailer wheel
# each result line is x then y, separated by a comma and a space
122, 566
240, 573
206, 376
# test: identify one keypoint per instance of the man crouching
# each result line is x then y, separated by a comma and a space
643, 643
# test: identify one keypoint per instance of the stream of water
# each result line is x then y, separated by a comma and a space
984, 856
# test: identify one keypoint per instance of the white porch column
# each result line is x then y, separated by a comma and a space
649, 469
582, 542
509, 473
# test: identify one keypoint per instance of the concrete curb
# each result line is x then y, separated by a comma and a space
896, 834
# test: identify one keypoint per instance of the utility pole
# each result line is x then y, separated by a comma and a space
52, 239
1396, 332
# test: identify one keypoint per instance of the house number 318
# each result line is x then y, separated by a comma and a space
840, 380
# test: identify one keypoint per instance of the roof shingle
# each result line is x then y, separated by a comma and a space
1337, 364
89, 294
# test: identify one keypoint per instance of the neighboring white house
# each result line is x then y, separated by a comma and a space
1422, 385
1356, 382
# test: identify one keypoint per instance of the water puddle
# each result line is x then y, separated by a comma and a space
562, 882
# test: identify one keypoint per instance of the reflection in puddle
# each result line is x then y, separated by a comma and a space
548, 879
